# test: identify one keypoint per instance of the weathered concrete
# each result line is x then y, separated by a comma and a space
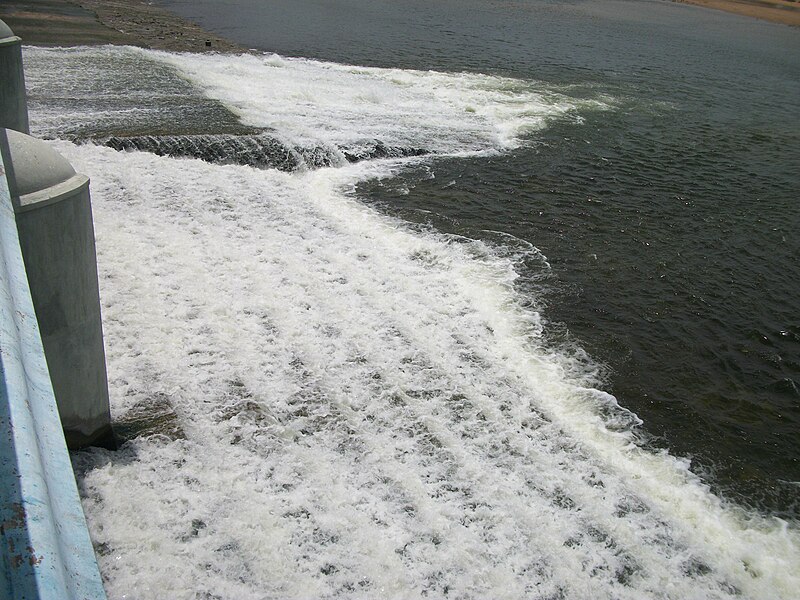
45, 549
13, 101
54, 220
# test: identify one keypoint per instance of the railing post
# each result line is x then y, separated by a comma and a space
45, 549
13, 100
56, 235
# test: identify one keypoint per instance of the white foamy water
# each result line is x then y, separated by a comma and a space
368, 410
343, 105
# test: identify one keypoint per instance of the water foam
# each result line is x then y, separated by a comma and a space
343, 105
368, 411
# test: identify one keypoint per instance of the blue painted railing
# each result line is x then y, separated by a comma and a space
46, 551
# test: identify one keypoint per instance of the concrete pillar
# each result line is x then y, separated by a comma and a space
56, 234
13, 101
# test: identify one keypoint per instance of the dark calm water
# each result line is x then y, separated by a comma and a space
670, 222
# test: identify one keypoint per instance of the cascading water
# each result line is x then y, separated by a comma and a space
364, 409
261, 151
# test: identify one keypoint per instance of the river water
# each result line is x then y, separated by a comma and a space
469, 299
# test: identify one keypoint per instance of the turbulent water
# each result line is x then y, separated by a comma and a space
327, 396
669, 222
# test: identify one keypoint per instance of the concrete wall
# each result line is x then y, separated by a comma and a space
56, 236
63, 279
45, 549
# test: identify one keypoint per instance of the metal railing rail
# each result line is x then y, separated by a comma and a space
46, 551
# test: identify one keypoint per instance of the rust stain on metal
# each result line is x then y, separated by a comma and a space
34, 560
18, 520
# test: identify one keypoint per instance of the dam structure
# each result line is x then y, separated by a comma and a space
53, 390
328, 292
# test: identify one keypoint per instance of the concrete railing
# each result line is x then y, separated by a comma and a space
53, 212
46, 257
54, 224
46, 549
13, 100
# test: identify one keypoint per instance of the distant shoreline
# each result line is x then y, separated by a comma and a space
785, 12
141, 23
120, 22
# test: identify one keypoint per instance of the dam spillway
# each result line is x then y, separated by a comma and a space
261, 151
